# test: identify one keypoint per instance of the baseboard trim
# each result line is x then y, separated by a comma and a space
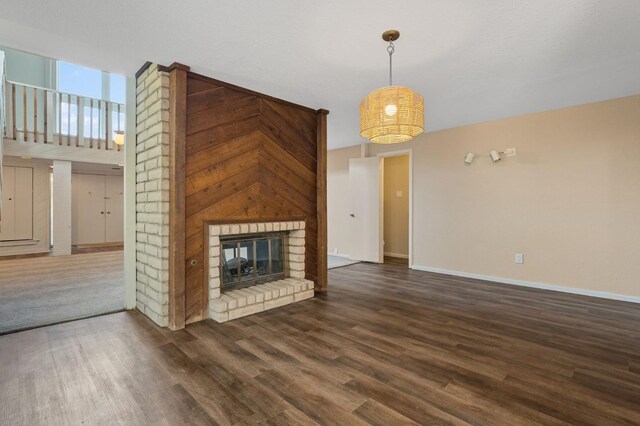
531, 284
398, 255
345, 256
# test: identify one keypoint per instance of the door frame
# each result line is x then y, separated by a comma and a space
397, 153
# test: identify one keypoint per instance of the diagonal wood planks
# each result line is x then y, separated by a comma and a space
248, 156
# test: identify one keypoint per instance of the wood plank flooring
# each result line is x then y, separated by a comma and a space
386, 345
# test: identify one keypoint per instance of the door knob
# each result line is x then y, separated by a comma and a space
108, 212
352, 215
101, 212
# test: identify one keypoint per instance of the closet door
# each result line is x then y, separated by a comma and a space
114, 206
23, 213
17, 204
88, 213
8, 203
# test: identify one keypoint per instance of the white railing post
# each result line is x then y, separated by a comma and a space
9, 111
50, 117
80, 141
108, 125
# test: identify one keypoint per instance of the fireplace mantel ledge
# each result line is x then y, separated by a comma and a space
262, 297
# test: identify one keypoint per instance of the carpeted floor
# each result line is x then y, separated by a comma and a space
337, 262
46, 290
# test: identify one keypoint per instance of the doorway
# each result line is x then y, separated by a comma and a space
368, 221
395, 211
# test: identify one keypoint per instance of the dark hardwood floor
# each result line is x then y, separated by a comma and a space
397, 261
387, 345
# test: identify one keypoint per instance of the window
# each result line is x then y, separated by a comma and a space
117, 88
97, 86
79, 80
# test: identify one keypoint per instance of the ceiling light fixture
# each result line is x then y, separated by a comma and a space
118, 138
391, 114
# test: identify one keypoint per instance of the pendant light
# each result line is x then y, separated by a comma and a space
391, 114
118, 138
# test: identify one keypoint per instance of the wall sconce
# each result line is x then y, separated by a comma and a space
469, 157
493, 154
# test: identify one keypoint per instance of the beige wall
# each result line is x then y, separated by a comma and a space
570, 200
41, 207
396, 209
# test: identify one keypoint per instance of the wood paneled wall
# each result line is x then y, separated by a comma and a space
246, 156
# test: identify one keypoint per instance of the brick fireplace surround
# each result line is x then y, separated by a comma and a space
209, 152
228, 305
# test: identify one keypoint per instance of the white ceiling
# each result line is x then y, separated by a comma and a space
472, 60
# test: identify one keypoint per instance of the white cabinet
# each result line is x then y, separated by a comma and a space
97, 209
16, 221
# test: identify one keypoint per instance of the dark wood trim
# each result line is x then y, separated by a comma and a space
177, 229
205, 273
321, 202
143, 69
173, 66
247, 91
162, 68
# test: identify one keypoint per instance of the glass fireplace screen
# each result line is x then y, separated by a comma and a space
252, 259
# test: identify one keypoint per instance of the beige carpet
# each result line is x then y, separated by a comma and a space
46, 290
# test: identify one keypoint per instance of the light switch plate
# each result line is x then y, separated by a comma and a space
398, 194
519, 258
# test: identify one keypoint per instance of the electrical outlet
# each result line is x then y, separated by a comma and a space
519, 258
398, 194
510, 152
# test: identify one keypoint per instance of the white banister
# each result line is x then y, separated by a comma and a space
41, 115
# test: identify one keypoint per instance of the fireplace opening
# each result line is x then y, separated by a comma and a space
252, 259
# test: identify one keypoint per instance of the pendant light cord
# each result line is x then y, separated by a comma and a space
390, 49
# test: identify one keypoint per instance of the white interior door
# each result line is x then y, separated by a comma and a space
8, 203
114, 205
365, 216
23, 216
88, 209
17, 204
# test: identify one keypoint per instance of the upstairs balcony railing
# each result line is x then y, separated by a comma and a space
46, 116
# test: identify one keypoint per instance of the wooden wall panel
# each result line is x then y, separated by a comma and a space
248, 156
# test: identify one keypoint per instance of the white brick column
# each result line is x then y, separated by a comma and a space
152, 194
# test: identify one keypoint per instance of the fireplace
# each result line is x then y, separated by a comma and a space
247, 260
256, 266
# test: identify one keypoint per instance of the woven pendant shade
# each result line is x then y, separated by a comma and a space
392, 114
